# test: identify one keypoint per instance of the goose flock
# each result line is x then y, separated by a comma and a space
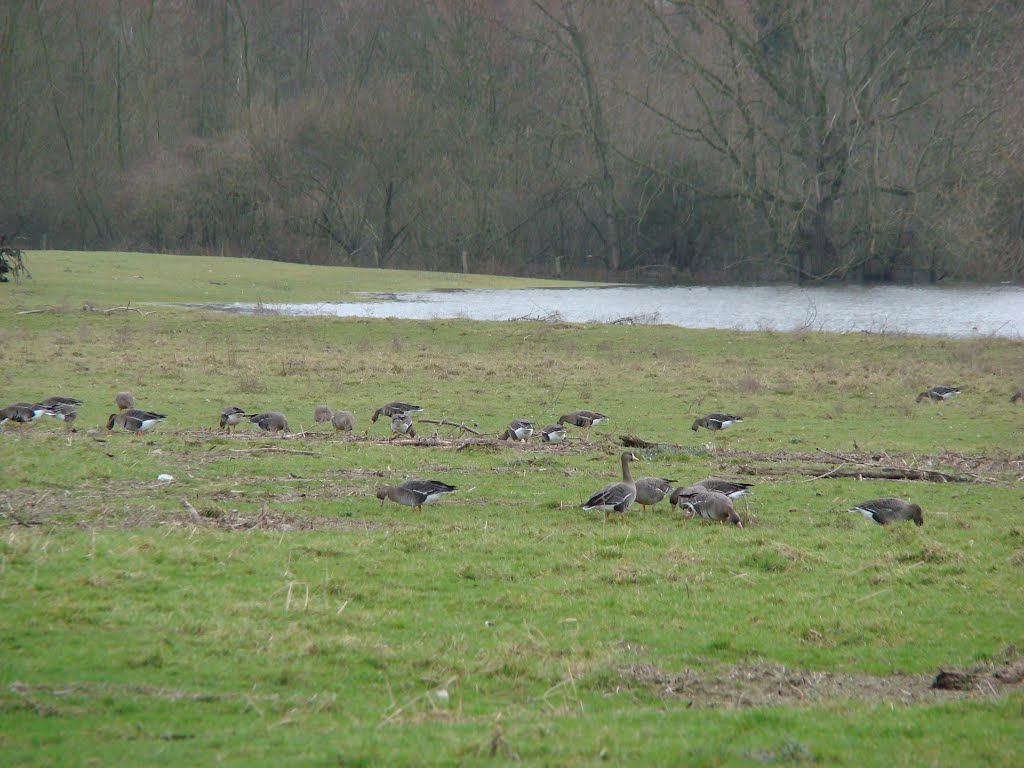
709, 500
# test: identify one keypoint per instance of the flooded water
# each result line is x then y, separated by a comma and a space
963, 311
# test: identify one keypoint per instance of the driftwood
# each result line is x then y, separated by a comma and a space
845, 466
87, 307
872, 473
446, 423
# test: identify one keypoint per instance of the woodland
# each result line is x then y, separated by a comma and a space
629, 140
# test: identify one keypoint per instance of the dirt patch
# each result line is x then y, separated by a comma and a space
274, 521
767, 685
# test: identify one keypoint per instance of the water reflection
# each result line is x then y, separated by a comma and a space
970, 311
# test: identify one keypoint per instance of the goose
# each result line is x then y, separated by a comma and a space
231, 417
66, 412
729, 488
271, 421
713, 506
716, 421
938, 393
583, 419
23, 413
553, 433
615, 497
401, 424
414, 493
889, 510
518, 430
322, 414
343, 421
1018, 395
651, 490
56, 400
124, 401
134, 420
395, 408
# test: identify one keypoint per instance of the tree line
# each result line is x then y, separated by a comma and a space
654, 140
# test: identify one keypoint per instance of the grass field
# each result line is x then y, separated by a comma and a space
290, 619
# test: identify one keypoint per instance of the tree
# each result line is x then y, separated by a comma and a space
836, 123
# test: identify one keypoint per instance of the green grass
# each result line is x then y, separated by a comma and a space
299, 622
67, 279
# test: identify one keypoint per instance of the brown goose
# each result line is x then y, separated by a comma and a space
713, 506
889, 510
393, 409
271, 421
231, 417
615, 497
651, 490
729, 488
124, 401
938, 393
65, 412
135, 420
415, 493
518, 430
583, 419
401, 424
322, 414
716, 421
56, 400
343, 421
23, 413
553, 433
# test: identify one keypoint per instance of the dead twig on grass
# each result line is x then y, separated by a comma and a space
272, 449
446, 423
196, 518
87, 307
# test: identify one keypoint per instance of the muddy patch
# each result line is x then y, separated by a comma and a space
767, 685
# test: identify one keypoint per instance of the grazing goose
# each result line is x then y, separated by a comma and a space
583, 419
23, 413
938, 393
394, 409
615, 497
271, 421
651, 490
553, 433
715, 421
414, 493
124, 401
401, 424
889, 510
322, 414
730, 489
518, 430
66, 412
343, 421
55, 400
712, 506
1018, 395
134, 420
231, 417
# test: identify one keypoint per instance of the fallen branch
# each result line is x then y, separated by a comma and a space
272, 449
446, 423
87, 307
191, 510
872, 473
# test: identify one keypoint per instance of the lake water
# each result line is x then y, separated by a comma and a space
962, 311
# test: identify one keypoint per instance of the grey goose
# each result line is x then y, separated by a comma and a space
415, 493
615, 497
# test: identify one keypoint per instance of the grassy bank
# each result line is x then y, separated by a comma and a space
291, 619
67, 279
